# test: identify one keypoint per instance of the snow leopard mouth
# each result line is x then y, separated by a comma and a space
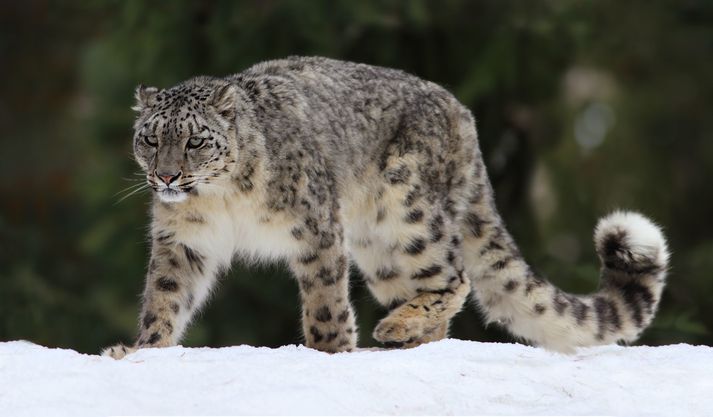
170, 195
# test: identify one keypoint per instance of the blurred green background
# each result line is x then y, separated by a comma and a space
582, 107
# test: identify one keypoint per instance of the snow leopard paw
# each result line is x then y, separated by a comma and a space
400, 331
118, 351
406, 328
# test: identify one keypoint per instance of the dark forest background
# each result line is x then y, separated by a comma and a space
582, 107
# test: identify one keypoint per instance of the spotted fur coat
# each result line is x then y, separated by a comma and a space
327, 164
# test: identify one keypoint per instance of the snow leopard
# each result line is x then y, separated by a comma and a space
328, 165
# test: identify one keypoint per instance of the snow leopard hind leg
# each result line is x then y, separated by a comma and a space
408, 244
420, 280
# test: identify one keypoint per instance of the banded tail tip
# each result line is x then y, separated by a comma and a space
629, 242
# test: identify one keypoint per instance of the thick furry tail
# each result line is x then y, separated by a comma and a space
634, 258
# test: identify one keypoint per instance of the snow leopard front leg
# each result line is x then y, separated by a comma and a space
322, 272
178, 281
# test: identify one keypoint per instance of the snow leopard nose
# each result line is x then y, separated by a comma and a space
168, 178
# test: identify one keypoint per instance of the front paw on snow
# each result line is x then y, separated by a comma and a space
118, 351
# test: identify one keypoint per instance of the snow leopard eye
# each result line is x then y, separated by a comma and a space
151, 140
195, 142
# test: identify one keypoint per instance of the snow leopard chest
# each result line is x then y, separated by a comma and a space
232, 227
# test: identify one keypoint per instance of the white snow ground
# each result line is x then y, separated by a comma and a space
447, 377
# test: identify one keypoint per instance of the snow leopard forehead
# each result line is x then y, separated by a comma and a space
185, 109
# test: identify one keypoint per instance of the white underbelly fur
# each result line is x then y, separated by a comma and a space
237, 227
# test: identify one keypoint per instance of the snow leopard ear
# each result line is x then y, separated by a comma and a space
224, 101
145, 97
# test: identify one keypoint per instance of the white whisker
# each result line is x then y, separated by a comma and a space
130, 188
143, 188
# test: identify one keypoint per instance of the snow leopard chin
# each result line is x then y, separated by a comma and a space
169, 195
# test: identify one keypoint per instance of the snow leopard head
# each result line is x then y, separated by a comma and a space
185, 136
